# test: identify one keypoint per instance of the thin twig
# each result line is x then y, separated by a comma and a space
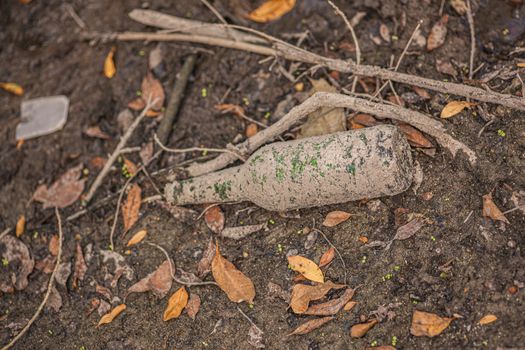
109, 163
5, 232
249, 319
354, 38
514, 209
484, 127
335, 248
470, 20
71, 11
172, 270
214, 11
49, 287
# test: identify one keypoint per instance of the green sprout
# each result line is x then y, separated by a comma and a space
394, 340
433, 239
5, 262
363, 259
280, 248
397, 268
373, 343
501, 133
271, 222
388, 276
246, 101
204, 92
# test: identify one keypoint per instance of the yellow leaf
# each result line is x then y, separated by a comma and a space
109, 64
176, 304
271, 10
110, 316
20, 225
137, 238
454, 107
13, 88
521, 64
428, 324
488, 319
233, 282
306, 267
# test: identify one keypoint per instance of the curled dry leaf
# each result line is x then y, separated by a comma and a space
276, 291
251, 130
13, 88
231, 108
137, 104
193, 306
158, 281
459, 6
64, 192
490, 210
16, 253
131, 208
137, 238
271, 10
204, 266
414, 136
176, 304
428, 324
487, 319
409, 229
359, 330
241, 232
94, 131
455, 107
109, 64
302, 294
311, 325
327, 257
334, 218
214, 218
438, 33
152, 88
105, 292
233, 282
109, 317
20, 226
80, 266
350, 305
306, 267
331, 307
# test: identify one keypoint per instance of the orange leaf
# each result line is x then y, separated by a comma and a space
130, 167
20, 225
53, 245
228, 107
271, 10
421, 92
359, 330
158, 281
311, 325
334, 218
363, 239
176, 304
350, 305
327, 257
109, 64
414, 136
331, 307
214, 218
130, 209
110, 316
438, 33
94, 131
137, 238
487, 319
355, 126
13, 88
137, 104
365, 119
251, 129
455, 107
428, 324
233, 282
152, 88
306, 267
490, 210
97, 162
521, 65
302, 294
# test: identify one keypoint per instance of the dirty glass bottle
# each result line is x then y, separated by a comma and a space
335, 168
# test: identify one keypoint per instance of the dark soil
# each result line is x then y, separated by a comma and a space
41, 50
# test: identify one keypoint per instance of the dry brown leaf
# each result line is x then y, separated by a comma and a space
490, 210
131, 208
152, 114
414, 136
354, 126
409, 229
384, 32
152, 88
131, 168
20, 265
146, 152
53, 245
64, 192
438, 34
137, 104
54, 302
20, 226
214, 218
306, 267
459, 6
334, 218
487, 319
240, 232
311, 325
397, 100
13, 88
228, 107
518, 199
445, 67
109, 317
303, 294
520, 64
455, 107
158, 281
331, 307
359, 330
350, 305
271, 10
365, 119
204, 266
327, 257
94, 131
137, 238
363, 239
193, 306
109, 64
276, 291
176, 304
98, 162
80, 266
421, 92
251, 130
428, 324
233, 282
